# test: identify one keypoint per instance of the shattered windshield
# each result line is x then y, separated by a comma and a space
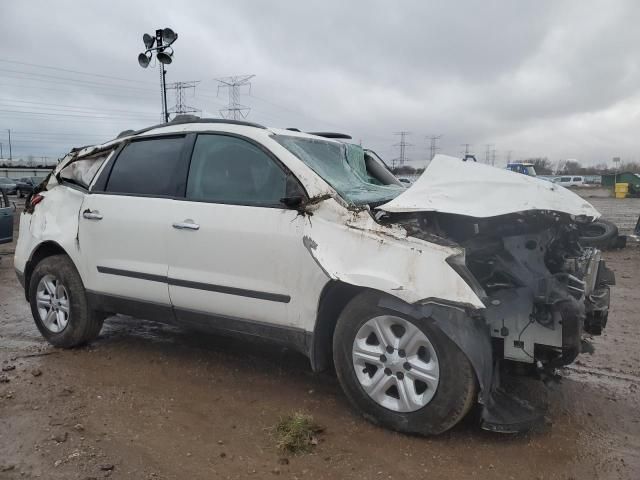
342, 166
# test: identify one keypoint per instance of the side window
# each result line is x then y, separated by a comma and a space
231, 170
80, 172
577, 179
148, 167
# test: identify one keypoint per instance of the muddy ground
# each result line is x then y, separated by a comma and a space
148, 401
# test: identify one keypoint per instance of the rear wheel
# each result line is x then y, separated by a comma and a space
59, 304
400, 372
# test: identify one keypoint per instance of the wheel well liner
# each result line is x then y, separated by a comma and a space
335, 296
44, 250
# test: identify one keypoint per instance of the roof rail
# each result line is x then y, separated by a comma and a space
331, 135
182, 119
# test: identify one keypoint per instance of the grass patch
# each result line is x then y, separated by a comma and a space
296, 433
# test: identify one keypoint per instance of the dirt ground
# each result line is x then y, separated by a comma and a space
147, 401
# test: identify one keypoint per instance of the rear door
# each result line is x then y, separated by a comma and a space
124, 224
6, 219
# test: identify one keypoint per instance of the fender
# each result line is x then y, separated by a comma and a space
351, 247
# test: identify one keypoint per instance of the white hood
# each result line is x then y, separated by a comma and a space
469, 188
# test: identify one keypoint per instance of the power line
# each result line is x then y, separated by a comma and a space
66, 79
71, 71
233, 84
402, 158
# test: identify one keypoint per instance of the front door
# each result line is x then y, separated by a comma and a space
235, 249
123, 229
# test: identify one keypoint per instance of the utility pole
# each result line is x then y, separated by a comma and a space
163, 92
235, 110
10, 156
487, 153
509, 152
180, 107
433, 146
1, 155
466, 148
493, 157
403, 148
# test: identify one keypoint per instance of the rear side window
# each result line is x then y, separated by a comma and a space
577, 179
231, 170
81, 172
565, 179
148, 167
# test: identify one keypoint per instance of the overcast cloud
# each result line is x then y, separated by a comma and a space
555, 79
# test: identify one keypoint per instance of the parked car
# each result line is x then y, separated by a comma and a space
523, 168
26, 185
570, 181
416, 295
8, 186
6, 218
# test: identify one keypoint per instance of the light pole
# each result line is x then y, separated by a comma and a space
164, 53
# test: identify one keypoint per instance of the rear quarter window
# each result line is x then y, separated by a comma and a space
148, 167
81, 172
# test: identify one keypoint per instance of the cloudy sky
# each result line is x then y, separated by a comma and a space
556, 79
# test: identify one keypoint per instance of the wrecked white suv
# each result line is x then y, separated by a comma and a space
417, 296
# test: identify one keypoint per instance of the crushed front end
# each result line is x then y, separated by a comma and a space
544, 293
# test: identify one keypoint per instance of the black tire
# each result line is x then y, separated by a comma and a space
84, 325
600, 233
457, 387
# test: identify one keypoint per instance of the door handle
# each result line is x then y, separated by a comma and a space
188, 224
92, 215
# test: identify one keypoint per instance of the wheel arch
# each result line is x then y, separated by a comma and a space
334, 298
42, 251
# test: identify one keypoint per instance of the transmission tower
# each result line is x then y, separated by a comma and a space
403, 149
180, 87
433, 145
235, 110
487, 153
466, 148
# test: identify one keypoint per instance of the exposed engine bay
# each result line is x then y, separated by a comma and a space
543, 291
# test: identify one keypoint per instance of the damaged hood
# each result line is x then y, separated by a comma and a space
450, 185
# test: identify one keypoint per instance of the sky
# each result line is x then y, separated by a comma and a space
549, 79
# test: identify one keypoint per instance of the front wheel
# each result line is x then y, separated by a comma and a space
59, 304
400, 372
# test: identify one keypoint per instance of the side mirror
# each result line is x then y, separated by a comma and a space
292, 202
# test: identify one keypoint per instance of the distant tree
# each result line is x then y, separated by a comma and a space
633, 167
571, 167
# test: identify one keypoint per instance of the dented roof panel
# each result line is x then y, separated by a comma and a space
450, 185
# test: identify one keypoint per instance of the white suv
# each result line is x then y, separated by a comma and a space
416, 296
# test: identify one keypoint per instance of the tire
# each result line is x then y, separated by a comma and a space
450, 400
82, 324
600, 233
